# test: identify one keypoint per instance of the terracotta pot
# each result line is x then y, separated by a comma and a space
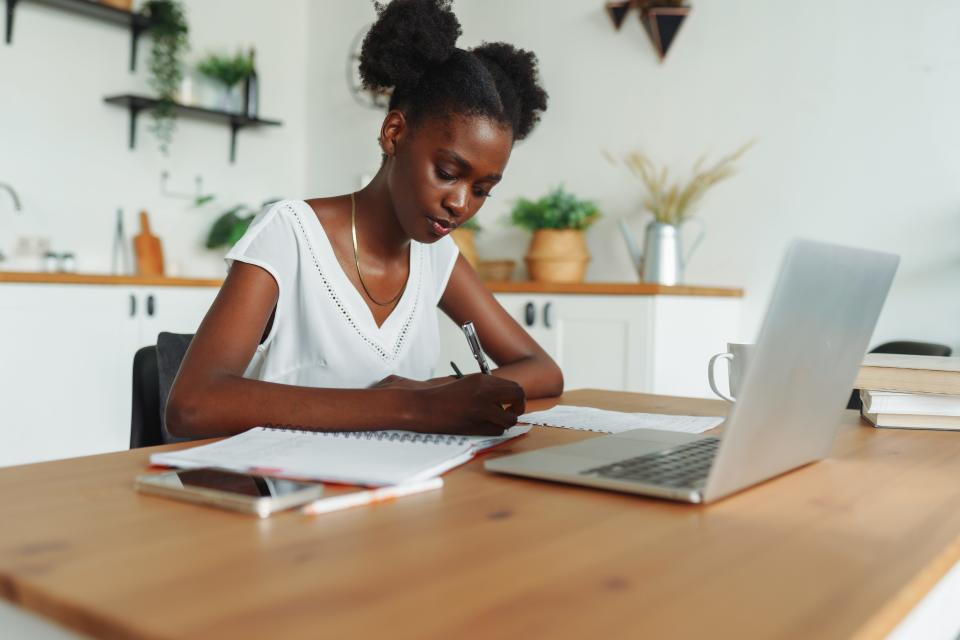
466, 242
496, 270
557, 255
126, 5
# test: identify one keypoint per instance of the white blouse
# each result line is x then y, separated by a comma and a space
323, 332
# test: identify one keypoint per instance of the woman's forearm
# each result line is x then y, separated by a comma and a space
540, 377
232, 404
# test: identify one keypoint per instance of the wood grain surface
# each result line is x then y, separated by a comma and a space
30, 277
614, 288
595, 288
839, 549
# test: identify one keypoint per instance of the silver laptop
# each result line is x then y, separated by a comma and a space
821, 315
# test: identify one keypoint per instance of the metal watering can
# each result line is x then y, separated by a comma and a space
662, 260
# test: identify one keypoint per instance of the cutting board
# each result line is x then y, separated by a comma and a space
148, 249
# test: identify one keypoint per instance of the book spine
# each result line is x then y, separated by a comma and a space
919, 381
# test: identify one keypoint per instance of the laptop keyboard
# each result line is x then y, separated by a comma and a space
685, 465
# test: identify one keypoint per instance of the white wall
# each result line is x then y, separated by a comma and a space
853, 105
65, 151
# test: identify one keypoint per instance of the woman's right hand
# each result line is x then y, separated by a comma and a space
476, 404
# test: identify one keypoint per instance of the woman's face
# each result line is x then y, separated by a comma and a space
442, 172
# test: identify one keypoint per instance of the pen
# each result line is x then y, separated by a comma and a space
474, 341
456, 369
370, 496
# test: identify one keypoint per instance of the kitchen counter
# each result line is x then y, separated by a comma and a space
594, 288
613, 288
29, 277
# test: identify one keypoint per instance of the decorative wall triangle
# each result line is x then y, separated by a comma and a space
618, 12
661, 19
662, 25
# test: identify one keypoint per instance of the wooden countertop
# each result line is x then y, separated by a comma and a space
595, 288
839, 549
27, 277
613, 288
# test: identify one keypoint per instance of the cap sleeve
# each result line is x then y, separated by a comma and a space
269, 243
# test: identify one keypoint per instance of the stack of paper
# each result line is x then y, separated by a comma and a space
369, 458
911, 410
603, 421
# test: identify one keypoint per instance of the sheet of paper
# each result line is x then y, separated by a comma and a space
603, 421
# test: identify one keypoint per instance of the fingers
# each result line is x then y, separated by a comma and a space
509, 393
500, 417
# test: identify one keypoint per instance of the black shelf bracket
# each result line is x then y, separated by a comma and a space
235, 126
11, 10
136, 28
136, 103
136, 22
134, 112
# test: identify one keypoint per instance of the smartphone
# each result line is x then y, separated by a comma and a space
245, 492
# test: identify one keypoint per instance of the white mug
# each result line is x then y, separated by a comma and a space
737, 357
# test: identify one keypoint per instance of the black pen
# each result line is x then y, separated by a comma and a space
456, 369
474, 341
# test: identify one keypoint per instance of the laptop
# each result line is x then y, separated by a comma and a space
820, 318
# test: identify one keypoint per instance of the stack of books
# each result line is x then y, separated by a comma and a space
910, 392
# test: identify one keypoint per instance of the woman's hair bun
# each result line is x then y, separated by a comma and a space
409, 37
519, 68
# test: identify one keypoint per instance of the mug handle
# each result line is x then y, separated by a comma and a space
710, 377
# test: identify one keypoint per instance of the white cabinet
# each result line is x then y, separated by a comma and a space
66, 362
645, 343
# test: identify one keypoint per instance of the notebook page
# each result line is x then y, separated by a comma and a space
333, 457
603, 421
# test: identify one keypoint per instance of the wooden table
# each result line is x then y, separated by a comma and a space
841, 549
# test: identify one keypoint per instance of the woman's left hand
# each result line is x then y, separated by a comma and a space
399, 382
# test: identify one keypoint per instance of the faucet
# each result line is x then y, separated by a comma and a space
16, 206
13, 195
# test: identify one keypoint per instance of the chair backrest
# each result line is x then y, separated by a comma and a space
913, 348
154, 369
145, 430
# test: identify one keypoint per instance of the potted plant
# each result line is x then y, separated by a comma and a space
169, 32
672, 205
558, 249
231, 224
229, 71
465, 238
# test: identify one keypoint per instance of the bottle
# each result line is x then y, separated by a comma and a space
121, 262
251, 89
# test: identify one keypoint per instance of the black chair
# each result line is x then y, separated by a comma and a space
154, 369
907, 347
145, 428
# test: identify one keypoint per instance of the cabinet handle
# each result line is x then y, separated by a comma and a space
529, 314
133, 305
151, 305
548, 315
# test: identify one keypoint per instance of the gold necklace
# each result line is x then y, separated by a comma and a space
356, 258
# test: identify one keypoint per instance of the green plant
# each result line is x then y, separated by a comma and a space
556, 210
231, 224
227, 69
673, 203
169, 32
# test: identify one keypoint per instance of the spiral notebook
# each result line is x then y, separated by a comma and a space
369, 458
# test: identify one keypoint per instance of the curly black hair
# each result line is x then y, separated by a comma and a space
411, 49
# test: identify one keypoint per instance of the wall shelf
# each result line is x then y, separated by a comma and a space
136, 22
135, 104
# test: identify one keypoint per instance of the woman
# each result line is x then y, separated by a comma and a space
327, 319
